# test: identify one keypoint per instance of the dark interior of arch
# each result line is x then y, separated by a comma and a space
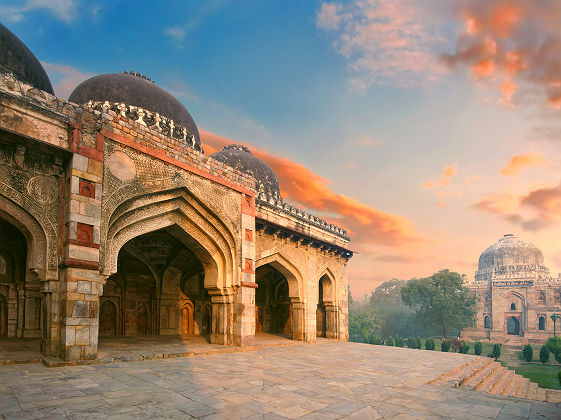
273, 313
158, 289
18, 317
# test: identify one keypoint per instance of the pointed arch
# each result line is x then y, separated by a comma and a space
42, 241
329, 284
288, 270
185, 218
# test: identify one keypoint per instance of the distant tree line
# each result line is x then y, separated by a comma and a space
439, 305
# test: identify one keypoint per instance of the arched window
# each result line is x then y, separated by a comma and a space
541, 325
487, 322
541, 297
513, 306
557, 298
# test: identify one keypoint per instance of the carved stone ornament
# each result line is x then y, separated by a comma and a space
43, 189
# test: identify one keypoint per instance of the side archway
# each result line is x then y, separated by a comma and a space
279, 297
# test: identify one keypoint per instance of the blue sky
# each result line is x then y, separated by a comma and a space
356, 93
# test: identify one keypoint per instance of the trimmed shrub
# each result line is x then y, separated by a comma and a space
528, 353
419, 343
558, 357
398, 341
429, 344
445, 346
478, 348
410, 341
559, 377
389, 341
551, 347
464, 348
496, 351
544, 354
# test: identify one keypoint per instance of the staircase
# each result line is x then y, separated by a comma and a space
486, 375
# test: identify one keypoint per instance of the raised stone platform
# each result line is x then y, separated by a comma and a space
325, 380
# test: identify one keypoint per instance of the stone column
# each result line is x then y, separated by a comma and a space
244, 302
331, 315
80, 303
221, 320
298, 320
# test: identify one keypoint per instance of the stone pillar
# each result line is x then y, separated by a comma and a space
331, 315
221, 320
298, 320
81, 282
50, 308
244, 315
244, 302
80, 303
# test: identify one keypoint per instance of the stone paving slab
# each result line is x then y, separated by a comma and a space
325, 380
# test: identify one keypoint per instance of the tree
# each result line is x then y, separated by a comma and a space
528, 353
441, 300
362, 325
544, 354
386, 302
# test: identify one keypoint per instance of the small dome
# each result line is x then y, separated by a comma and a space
510, 255
17, 59
239, 157
132, 89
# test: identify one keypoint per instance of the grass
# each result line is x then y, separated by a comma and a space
544, 375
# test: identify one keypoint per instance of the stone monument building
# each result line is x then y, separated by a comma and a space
113, 222
516, 295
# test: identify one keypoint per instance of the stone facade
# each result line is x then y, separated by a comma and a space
516, 296
114, 222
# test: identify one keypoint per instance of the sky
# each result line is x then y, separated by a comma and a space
428, 129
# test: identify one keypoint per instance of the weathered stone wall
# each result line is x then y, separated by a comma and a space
80, 183
305, 265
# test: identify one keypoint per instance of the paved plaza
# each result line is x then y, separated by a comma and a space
325, 380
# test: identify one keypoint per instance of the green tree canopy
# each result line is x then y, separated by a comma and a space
441, 301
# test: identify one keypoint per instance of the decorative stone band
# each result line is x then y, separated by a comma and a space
280, 205
149, 119
284, 233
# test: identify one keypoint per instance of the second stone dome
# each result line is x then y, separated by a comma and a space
510, 254
239, 157
131, 89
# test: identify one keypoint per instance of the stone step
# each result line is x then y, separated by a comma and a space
522, 388
541, 394
502, 381
457, 373
532, 389
480, 375
510, 388
553, 396
475, 370
489, 379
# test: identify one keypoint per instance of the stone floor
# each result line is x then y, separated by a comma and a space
325, 380
17, 350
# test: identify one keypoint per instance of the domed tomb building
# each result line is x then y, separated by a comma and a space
114, 222
516, 295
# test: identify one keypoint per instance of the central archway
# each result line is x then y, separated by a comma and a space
272, 301
513, 326
158, 289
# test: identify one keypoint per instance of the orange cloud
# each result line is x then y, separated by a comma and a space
367, 225
520, 161
532, 211
511, 39
447, 173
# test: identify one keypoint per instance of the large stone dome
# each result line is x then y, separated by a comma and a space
17, 59
132, 89
239, 157
510, 257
